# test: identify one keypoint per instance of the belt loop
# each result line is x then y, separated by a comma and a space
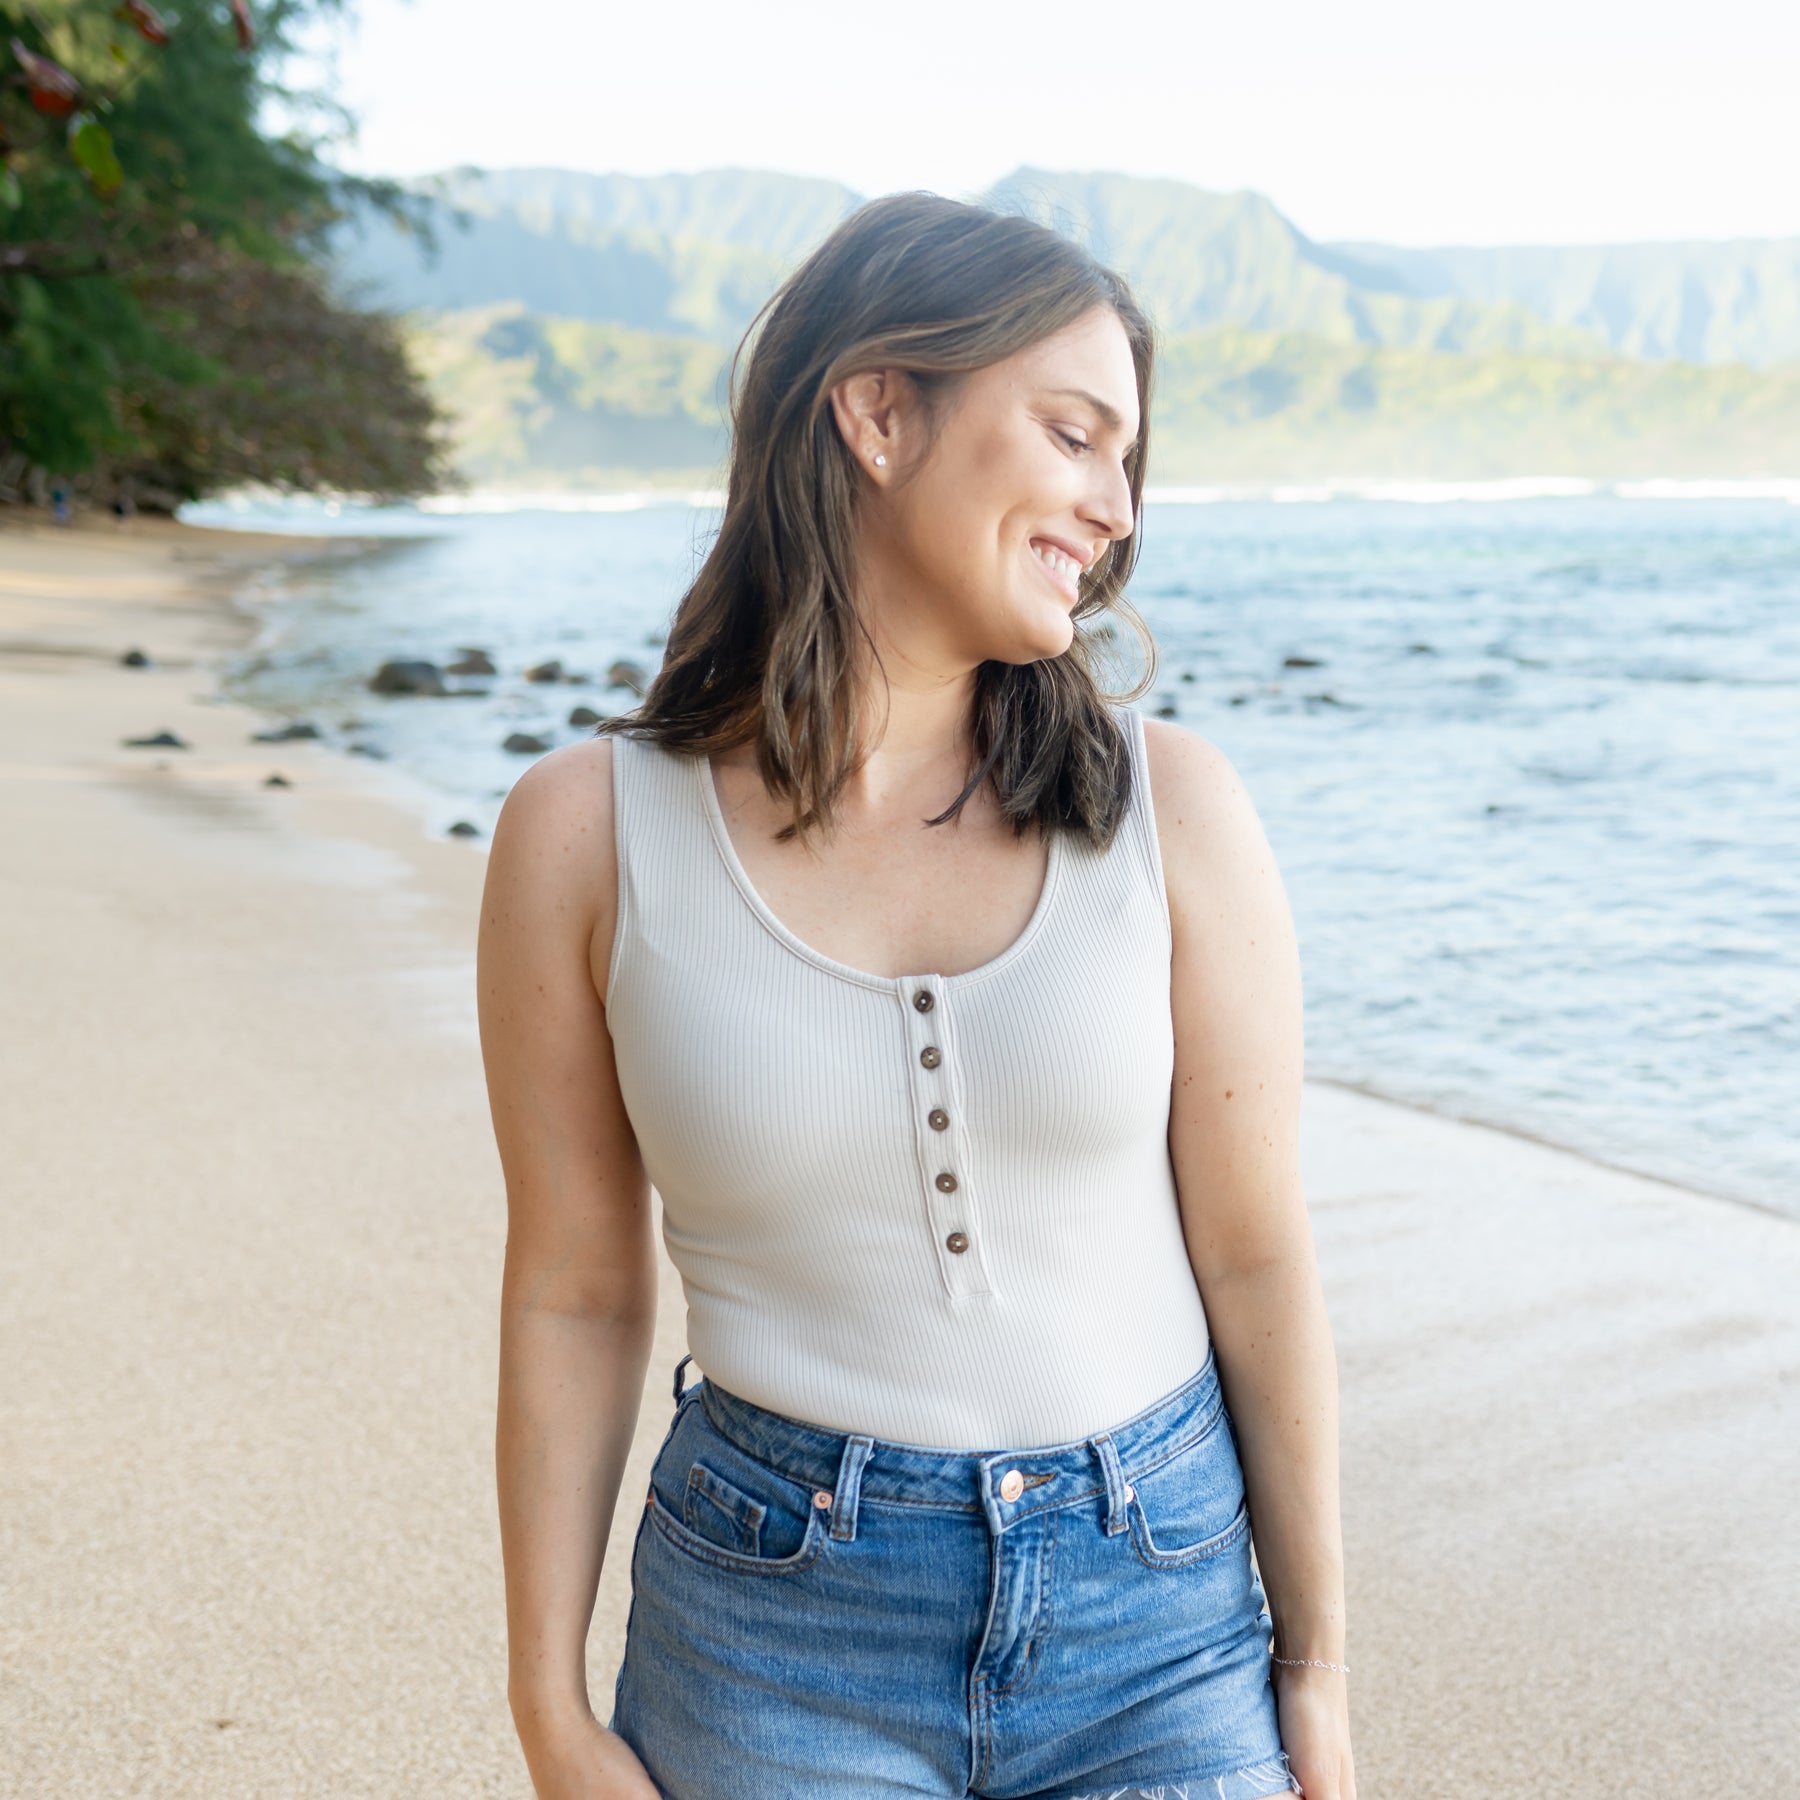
848, 1492
678, 1368
1115, 1484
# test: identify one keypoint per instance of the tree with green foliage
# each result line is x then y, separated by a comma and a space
166, 328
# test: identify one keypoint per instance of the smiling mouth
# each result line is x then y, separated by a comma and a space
1063, 571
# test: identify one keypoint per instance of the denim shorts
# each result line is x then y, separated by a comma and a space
815, 1613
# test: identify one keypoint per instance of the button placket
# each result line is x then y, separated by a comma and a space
938, 1136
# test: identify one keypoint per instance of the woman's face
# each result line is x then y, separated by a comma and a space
975, 534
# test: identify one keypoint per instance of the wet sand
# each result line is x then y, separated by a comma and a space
253, 1222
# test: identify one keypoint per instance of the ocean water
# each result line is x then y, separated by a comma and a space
1535, 790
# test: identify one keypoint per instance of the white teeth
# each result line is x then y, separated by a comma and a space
1054, 559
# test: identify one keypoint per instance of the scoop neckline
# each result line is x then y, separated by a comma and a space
740, 877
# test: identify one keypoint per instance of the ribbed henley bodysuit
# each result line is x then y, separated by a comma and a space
938, 1209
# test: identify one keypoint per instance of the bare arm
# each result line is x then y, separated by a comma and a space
578, 1297
1234, 1142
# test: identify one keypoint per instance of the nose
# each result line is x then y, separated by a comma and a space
1108, 508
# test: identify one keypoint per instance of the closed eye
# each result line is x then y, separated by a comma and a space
1074, 443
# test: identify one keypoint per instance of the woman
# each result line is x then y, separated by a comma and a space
955, 1013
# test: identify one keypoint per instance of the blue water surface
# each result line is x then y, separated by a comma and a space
1536, 796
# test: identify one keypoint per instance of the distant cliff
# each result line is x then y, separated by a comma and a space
1709, 303
577, 326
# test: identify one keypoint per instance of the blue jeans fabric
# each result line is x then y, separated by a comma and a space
820, 1613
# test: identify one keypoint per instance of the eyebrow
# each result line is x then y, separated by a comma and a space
1109, 415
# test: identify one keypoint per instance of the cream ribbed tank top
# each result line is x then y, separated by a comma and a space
938, 1209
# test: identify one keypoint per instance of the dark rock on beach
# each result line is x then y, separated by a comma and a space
627, 675
545, 671
1302, 662
372, 751
470, 661
135, 659
424, 679
585, 715
463, 829
276, 781
163, 740
523, 743
294, 732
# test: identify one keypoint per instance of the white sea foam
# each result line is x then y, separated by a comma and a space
1775, 488
1415, 493
502, 501
1429, 493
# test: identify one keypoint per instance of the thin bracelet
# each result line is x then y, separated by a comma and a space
1307, 1662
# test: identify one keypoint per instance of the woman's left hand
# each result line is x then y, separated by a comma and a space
1313, 1707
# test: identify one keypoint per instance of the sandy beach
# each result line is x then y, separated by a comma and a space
253, 1220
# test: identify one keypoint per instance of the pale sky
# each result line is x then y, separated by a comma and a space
1540, 121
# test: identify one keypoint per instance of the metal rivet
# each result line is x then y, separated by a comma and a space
931, 1056
1012, 1485
822, 1499
946, 1183
938, 1119
922, 1000
956, 1243
1130, 1491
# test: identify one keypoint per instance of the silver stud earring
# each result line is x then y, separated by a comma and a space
880, 460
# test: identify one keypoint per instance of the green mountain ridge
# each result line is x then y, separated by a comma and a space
578, 326
696, 253
1201, 259
576, 403
699, 253
1732, 301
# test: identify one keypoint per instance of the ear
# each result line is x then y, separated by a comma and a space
872, 410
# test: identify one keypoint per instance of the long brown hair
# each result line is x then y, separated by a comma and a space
766, 641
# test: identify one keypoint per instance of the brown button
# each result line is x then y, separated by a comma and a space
938, 1119
956, 1243
946, 1183
931, 1056
922, 1000
1012, 1485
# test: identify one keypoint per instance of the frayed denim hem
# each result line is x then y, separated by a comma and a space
1255, 1782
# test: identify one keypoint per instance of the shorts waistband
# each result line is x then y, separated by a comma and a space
1006, 1485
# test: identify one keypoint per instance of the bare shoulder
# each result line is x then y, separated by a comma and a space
553, 864
1212, 839
1188, 772
559, 813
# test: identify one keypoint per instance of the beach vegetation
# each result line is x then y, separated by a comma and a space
168, 324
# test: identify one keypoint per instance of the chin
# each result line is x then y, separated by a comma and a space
1030, 647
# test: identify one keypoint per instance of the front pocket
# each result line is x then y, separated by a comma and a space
685, 1539
715, 1502
715, 1509
1152, 1553
1190, 1508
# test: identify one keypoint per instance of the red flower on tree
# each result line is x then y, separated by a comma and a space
52, 88
147, 19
